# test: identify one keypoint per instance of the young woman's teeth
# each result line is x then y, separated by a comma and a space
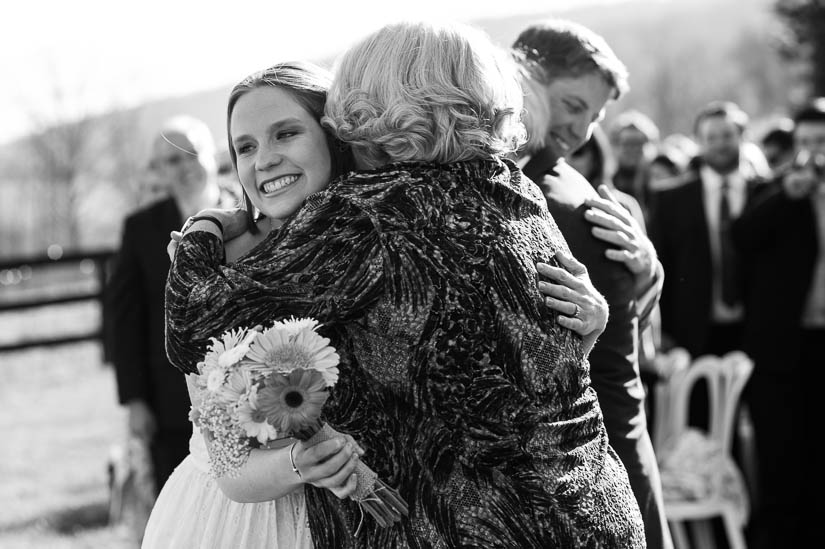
280, 183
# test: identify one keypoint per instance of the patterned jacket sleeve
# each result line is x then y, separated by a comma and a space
195, 278
325, 263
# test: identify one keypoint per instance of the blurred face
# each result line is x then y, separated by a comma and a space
810, 136
152, 187
576, 104
177, 165
720, 140
281, 151
630, 147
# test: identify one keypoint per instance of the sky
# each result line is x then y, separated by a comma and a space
77, 57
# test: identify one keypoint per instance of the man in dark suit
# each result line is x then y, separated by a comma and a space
781, 237
569, 75
701, 302
182, 156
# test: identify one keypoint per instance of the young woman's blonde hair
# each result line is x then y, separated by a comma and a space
430, 92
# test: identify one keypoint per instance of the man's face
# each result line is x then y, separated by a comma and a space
178, 165
630, 147
720, 140
810, 136
576, 105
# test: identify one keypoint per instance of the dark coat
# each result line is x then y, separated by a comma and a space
135, 307
679, 230
777, 239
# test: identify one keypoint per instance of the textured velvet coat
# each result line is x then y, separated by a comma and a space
467, 394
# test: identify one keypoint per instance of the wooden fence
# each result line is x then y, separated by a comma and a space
88, 264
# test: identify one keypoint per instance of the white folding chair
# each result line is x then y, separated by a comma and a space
700, 479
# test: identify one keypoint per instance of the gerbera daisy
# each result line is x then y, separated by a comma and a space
277, 349
253, 420
237, 383
233, 354
292, 402
294, 325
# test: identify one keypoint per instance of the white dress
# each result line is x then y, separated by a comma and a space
192, 512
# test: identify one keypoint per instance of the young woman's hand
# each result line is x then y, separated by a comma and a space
232, 219
329, 464
233, 222
570, 292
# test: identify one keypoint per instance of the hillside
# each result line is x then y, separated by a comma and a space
670, 48
680, 54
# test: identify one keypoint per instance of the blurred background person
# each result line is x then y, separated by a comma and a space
152, 187
595, 161
701, 301
634, 138
781, 236
665, 171
778, 144
182, 166
682, 143
666, 168
569, 73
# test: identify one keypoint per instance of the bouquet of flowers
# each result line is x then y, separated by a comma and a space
258, 385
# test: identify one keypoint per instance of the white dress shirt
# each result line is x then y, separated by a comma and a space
712, 193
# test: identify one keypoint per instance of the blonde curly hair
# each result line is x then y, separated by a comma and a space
422, 91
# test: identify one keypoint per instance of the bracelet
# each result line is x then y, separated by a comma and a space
209, 218
292, 461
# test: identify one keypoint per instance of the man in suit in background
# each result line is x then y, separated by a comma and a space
183, 157
569, 74
701, 307
701, 304
781, 237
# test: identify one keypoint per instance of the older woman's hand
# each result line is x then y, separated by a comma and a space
571, 293
615, 225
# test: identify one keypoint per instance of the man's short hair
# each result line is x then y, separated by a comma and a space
557, 48
723, 109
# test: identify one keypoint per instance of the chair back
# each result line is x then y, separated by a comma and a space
666, 420
725, 376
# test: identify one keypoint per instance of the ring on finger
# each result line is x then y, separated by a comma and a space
576, 312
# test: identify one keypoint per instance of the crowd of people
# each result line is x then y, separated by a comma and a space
498, 272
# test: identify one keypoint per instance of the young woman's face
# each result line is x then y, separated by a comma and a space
281, 151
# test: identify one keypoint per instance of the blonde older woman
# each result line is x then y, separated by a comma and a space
469, 395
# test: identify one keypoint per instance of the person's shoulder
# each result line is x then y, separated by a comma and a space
150, 211
679, 185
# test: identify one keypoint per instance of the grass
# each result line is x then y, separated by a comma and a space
60, 418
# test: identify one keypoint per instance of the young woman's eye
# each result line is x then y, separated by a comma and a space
243, 149
286, 134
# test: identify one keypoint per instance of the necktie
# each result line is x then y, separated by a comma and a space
730, 285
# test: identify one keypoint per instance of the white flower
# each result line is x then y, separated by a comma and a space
233, 355
283, 349
214, 380
294, 325
237, 383
252, 420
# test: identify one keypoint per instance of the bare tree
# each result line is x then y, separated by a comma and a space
74, 148
806, 21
